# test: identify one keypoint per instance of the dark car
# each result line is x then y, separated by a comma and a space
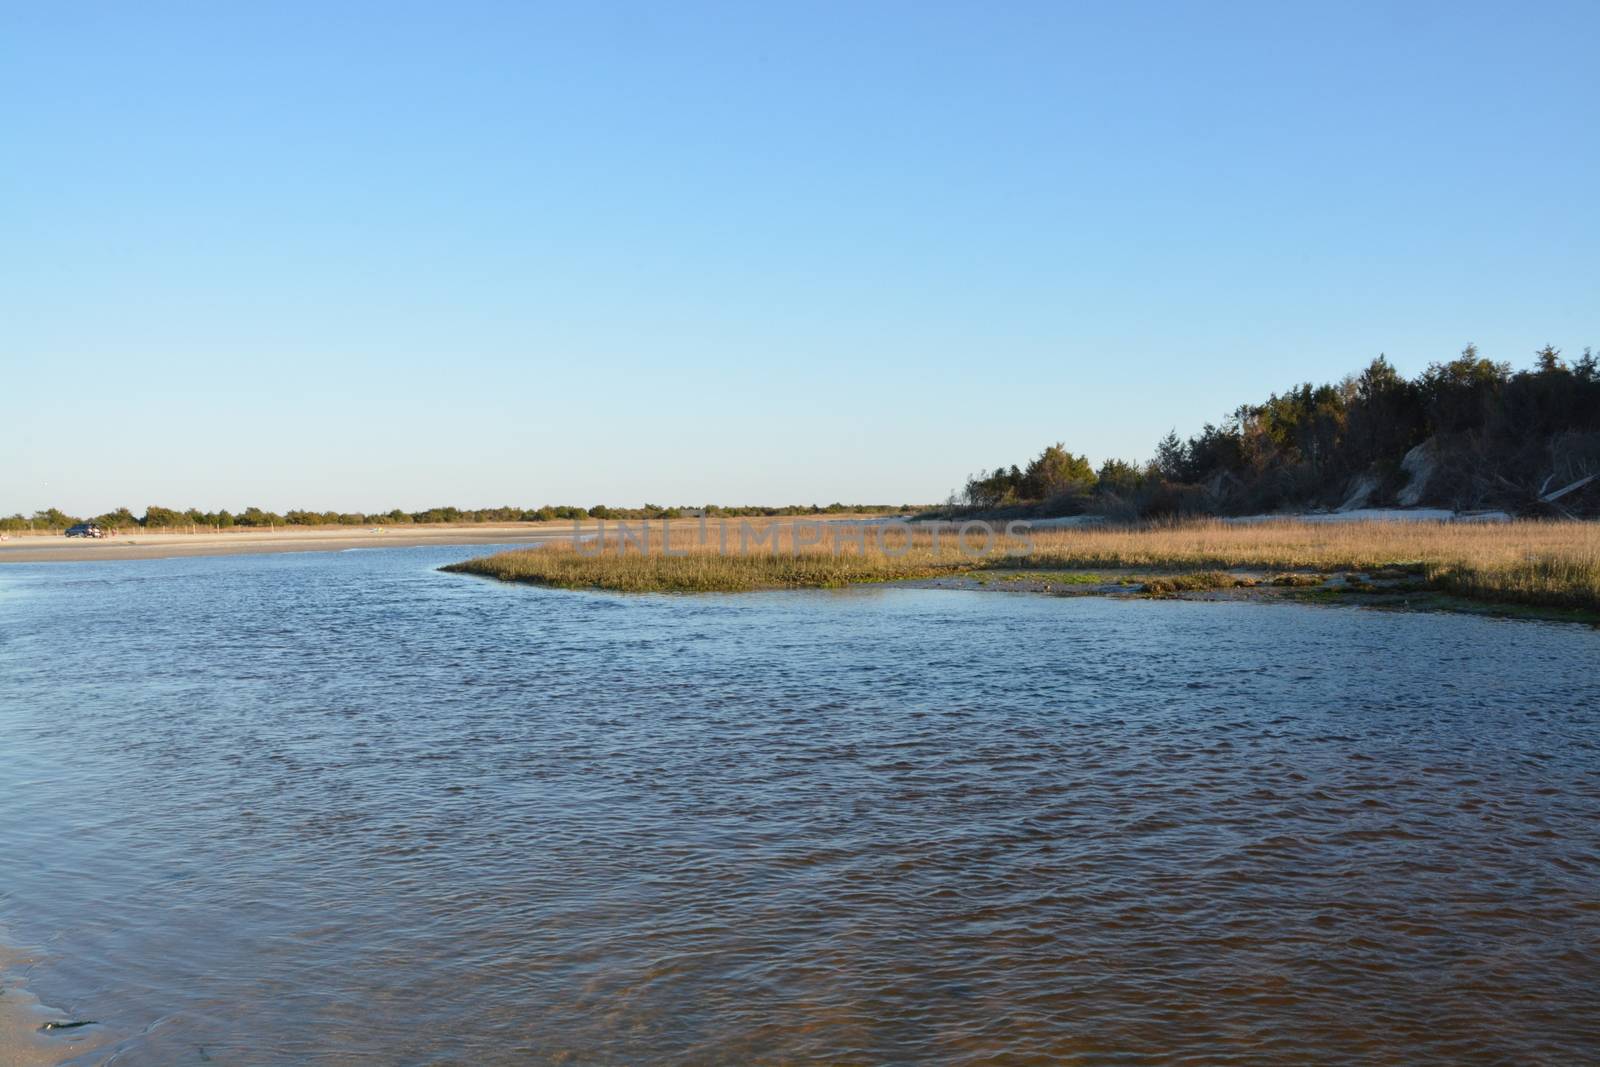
85, 529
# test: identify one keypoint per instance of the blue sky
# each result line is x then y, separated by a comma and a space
364, 255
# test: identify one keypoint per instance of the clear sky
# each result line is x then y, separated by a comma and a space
356, 256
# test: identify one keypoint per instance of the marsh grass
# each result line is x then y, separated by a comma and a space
1059, 577
1197, 582
1305, 580
788, 558
1552, 564
1564, 581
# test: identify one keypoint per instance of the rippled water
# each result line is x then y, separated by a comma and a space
343, 809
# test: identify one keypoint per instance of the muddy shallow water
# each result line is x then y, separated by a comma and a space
340, 808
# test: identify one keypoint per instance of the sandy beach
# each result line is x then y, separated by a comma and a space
56, 548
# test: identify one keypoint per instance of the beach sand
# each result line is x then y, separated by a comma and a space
22, 1042
56, 548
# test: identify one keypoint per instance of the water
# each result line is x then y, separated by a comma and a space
342, 809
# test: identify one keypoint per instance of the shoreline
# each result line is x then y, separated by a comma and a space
1404, 592
1351, 589
1551, 567
58, 549
24, 1041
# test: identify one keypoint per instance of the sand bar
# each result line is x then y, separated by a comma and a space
42, 548
58, 548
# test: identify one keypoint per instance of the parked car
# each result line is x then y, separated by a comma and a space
85, 529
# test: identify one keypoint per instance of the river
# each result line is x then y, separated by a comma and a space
341, 808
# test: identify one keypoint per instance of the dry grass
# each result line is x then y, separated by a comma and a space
1541, 563
841, 554
1554, 564
1560, 580
1289, 546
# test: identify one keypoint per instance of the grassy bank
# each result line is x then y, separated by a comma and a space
1546, 564
730, 560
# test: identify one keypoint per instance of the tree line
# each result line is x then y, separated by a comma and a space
1467, 433
161, 518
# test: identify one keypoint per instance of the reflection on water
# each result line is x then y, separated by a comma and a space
340, 809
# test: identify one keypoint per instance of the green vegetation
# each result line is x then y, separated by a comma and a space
1053, 475
1297, 580
1056, 577
1193, 582
1468, 433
